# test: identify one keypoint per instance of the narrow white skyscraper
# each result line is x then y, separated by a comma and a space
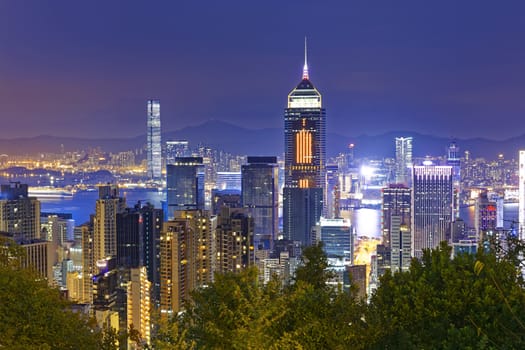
521, 216
153, 141
403, 159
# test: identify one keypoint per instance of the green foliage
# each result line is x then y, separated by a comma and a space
234, 313
313, 268
470, 302
34, 316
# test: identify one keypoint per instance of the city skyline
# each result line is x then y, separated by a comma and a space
447, 69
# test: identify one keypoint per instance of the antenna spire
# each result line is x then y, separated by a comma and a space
305, 67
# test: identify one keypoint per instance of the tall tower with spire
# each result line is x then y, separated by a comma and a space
305, 159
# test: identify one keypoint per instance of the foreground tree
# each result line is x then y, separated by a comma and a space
236, 312
318, 315
34, 316
470, 302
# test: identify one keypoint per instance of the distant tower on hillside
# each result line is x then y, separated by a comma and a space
153, 141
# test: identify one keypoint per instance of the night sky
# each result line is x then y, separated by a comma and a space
453, 68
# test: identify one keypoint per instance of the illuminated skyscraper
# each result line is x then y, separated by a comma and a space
138, 235
185, 185
19, 214
187, 252
305, 154
138, 304
176, 149
333, 191
395, 225
455, 162
260, 195
521, 215
403, 159
486, 220
337, 238
107, 207
432, 207
234, 240
153, 141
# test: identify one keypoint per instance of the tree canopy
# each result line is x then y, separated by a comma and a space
469, 302
34, 316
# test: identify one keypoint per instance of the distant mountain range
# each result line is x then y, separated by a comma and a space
239, 140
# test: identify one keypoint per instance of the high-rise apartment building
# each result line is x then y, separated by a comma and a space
36, 254
153, 145
234, 243
260, 195
138, 237
108, 205
19, 213
185, 185
305, 160
187, 252
432, 207
139, 304
396, 225
88, 263
403, 159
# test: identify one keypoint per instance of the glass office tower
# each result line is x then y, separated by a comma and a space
305, 157
154, 150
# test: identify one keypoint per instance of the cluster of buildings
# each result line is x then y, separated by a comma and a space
129, 262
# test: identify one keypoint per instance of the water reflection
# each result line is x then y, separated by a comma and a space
83, 203
366, 222
510, 215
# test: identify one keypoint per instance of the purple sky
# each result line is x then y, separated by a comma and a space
452, 68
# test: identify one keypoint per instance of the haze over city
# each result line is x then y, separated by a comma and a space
85, 69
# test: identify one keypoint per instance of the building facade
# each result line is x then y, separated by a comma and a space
176, 149
187, 251
333, 192
139, 304
454, 160
338, 242
260, 195
185, 185
153, 145
108, 205
432, 207
19, 213
403, 159
234, 240
521, 200
396, 216
305, 160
